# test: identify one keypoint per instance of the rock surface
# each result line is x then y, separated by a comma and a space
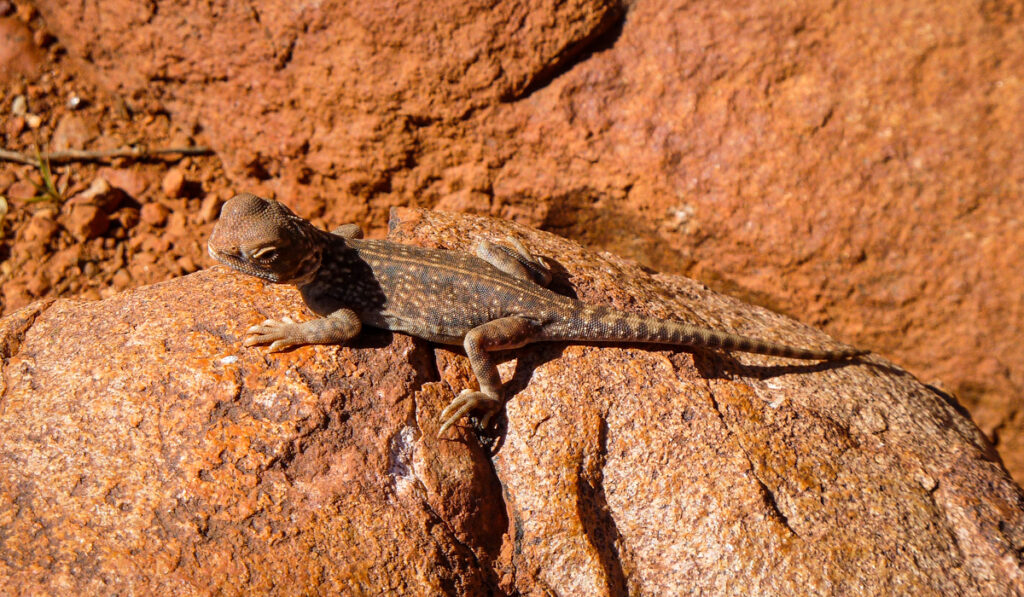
143, 450
855, 165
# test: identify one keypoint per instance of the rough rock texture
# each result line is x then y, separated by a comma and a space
853, 164
143, 450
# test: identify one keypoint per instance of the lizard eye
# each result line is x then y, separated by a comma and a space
265, 254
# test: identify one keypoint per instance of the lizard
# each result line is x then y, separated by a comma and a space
494, 300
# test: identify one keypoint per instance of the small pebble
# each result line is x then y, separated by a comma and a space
26, 12
43, 38
186, 264
101, 194
86, 222
122, 279
19, 106
210, 208
154, 214
174, 183
33, 121
41, 228
177, 224
75, 102
21, 190
39, 284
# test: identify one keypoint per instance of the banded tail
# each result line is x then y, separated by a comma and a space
598, 323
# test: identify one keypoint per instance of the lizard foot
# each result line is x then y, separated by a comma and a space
466, 401
279, 334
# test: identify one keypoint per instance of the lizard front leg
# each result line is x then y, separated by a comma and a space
501, 334
337, 327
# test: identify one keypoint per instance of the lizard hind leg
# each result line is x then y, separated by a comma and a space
501, 334
515, 260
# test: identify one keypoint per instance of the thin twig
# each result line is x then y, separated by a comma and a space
80, 155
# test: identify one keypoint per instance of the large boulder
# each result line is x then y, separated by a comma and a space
144, 450
854, 164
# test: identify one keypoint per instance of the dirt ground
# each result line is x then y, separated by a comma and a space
77, 239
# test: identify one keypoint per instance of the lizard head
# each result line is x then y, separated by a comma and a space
263, 238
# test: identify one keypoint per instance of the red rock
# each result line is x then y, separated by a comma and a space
7, 178
21, 190
621, 470
86, 222
177, 224
130, 180
101, 194
18, 54
174, 183
42, 38
154, 214
121, 279
209, 211
73, 132
14, 126
38, 284
41, 227
186, 264
857, 168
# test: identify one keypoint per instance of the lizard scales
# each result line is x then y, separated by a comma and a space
489, 302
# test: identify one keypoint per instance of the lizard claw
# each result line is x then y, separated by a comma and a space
466, 401
279, 334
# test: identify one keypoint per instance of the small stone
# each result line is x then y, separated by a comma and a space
154, 214
180, 139
186, 264
26, 12
101, 194
39, 284
122, 279
174, 183
33, 121
143, 259
127, 217
72, 132
41, 228
177, 224
18, 53
75, 102
86, 222
6, 8
19, 106
21, 190
155, 245
43, 38
210, 208
15, 125
131, 181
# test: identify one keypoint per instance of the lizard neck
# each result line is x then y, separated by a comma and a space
333, 259
321, 244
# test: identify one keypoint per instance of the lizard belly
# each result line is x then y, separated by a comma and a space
428, 330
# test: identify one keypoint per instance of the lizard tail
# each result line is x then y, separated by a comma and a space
604, 324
